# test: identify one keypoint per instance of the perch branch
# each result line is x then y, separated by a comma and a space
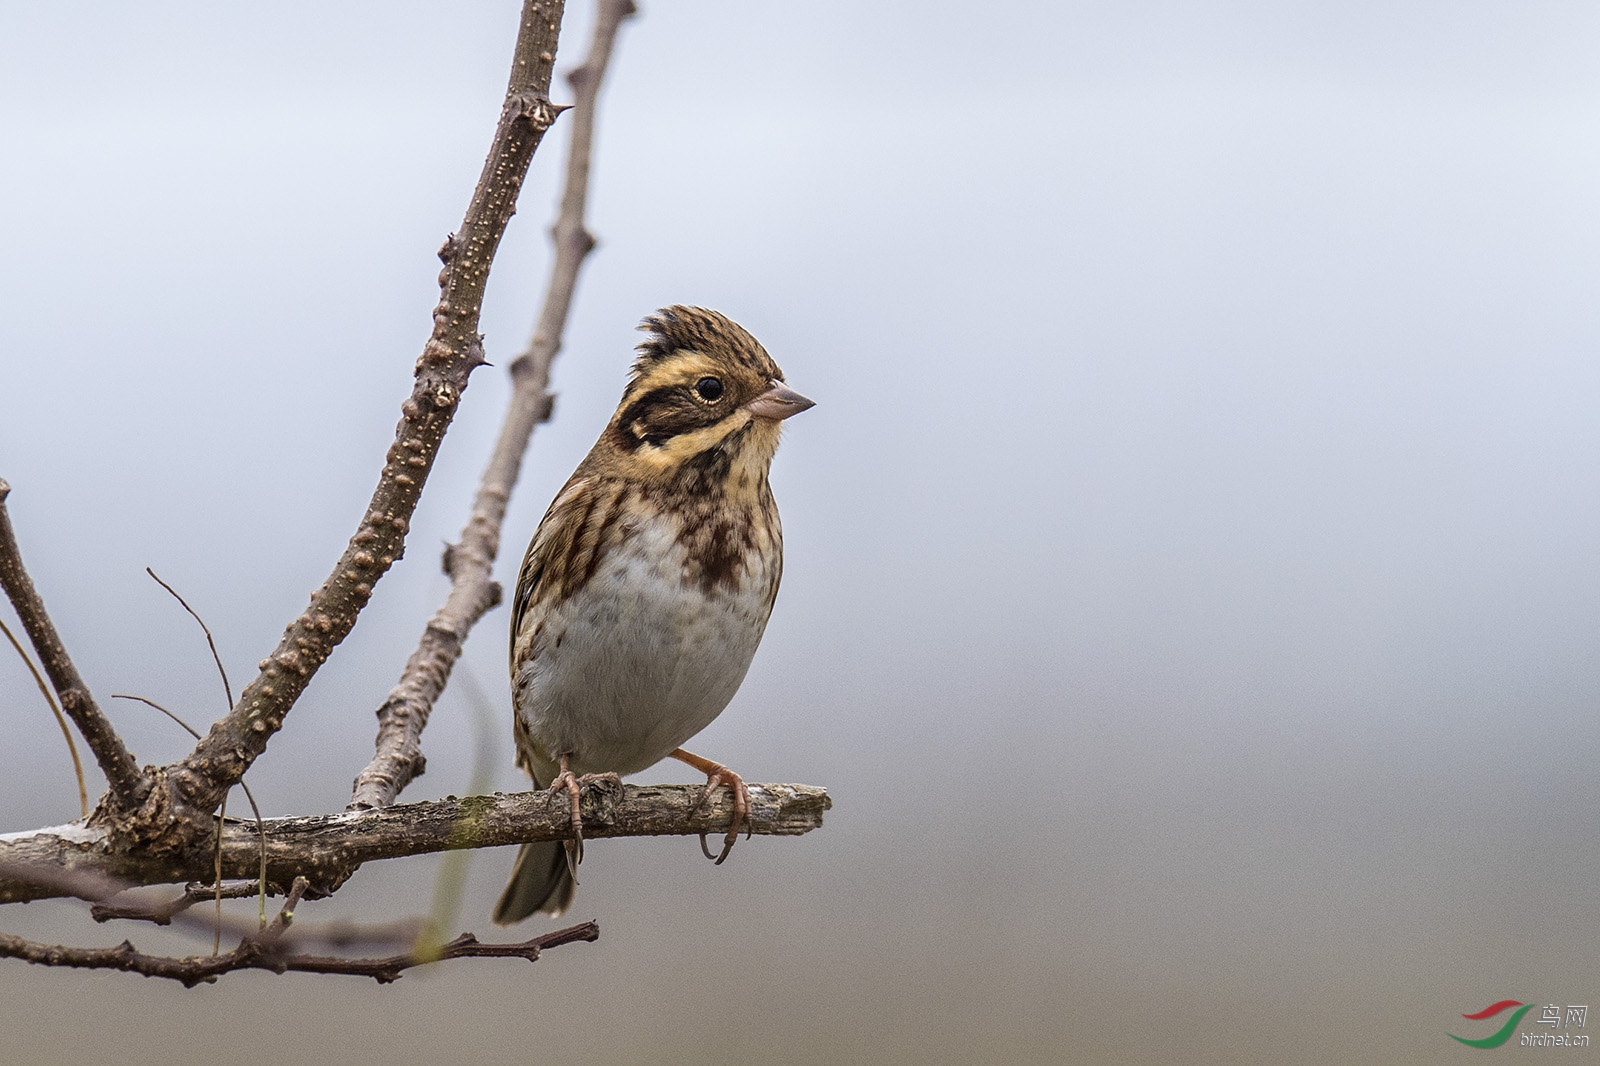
128, 785
199, 782
328, 848
470, 562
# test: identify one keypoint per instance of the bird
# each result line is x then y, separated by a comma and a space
647, 586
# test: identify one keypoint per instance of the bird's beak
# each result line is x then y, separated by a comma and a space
778, 402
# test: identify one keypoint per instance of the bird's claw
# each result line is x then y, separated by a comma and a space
566, 780
715, 779
573, 785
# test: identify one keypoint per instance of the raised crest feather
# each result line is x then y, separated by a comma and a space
698, 329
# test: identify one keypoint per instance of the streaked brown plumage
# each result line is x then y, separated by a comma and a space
647, 586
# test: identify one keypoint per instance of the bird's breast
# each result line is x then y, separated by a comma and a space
648, 651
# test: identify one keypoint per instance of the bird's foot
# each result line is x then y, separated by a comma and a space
718, 775
573, 784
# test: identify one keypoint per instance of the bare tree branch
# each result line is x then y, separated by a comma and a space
114, 901
267, 949
573, 242
199, 782
128, 785
192, 970
84, 861
340, 933
470, 562
158, 826
161, 912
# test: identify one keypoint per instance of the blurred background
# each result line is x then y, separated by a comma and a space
1192, 592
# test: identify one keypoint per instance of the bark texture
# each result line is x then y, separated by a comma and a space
77, 860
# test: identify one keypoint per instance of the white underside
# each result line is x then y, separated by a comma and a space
636, 662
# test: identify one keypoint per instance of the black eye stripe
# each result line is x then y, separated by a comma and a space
661, 414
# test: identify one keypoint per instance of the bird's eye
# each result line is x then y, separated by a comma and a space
708, 389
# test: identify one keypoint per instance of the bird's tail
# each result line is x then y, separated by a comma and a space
541, 881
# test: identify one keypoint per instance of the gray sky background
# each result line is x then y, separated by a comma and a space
1191, 595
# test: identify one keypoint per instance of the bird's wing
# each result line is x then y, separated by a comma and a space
543, 566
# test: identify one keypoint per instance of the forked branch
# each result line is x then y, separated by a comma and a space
469, 562
157, 827
452, 352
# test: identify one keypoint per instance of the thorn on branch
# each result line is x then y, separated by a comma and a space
535, 109
578, 236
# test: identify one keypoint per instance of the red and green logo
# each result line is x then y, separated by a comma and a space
1503, 1034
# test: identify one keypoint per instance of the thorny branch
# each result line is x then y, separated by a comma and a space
157, 826
199, 782
469, 562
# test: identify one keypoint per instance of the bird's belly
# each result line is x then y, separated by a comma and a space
636, 662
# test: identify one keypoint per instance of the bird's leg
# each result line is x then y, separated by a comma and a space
717, 775
566, 779
574, 847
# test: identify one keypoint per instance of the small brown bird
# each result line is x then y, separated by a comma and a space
647, 586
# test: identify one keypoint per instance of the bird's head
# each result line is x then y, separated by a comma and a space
703, 404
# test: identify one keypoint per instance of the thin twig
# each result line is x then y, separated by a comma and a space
328, 848
113, 897
161, 912
470, 562
222, 809
126, 904
210, 643
454, 349
128, 785
116, 900
61, 720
